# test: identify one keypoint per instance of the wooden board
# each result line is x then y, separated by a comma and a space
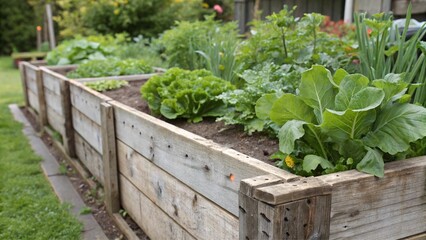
87, 101
186, 156
51, 80
33, 100
53, 101
200, 217
56, 121
154, 222
88, 129
31, 77
365, 207
22, 66
90, 158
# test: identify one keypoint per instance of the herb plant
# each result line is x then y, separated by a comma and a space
106, 85
110, 67
187, 94
344, 122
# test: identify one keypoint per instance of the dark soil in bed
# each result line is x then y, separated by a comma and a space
257, 145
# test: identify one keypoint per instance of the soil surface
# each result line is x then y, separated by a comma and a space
92, 197
257, 145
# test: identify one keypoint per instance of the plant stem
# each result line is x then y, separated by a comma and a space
284, 45
324, 153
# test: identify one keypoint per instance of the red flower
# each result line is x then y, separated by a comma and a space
218, 8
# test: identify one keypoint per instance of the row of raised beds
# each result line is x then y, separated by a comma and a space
340, 109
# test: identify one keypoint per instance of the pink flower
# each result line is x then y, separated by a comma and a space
218, 8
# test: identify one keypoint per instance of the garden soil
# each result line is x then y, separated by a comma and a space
259, 146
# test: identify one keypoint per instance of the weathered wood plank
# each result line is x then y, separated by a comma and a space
53, 101
68, 136
33, 101
51, 80
109, 154
155, 223
87, 101
90, 158
56, 121
186, 156
88, 129
124, 227
22, 66
31, 78
200, 217
365, 207
41, 100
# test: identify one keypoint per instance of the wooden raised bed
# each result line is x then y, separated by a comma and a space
177, 185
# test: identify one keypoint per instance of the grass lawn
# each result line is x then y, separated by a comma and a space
28, 207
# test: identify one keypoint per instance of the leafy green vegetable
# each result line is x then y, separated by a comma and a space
106, 85
80, 50
110, 67
185, 94
352, 125
264, 79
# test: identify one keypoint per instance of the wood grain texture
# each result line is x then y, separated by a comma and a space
56, 121
124, 227
109, 155
90, 158
31, 78
22, 66
365, 207
154, 222
200, 217
68, 135
53, 101
33, 101
42, 119
88, 129
187, 156
51, 80
87, 101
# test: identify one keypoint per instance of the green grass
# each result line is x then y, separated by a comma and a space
28, 207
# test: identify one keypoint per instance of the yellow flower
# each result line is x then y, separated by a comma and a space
289, 161
205, 5
116, 11
115, 4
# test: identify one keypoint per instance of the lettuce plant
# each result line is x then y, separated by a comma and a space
187, 94
343, 121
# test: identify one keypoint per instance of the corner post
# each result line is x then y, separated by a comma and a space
68, 137
41, 99
109, 156
297, 209
22, 70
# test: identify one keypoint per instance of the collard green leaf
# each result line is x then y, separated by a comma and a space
338, 76
264, 105
393, 86
367, 99
289, 133
347, 124
372, 163
290, 107
354, 149
317, 90
396, 127
349, 86
311, 162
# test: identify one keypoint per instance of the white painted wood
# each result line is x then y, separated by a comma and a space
87, 101
53, 101
90, 158
199, 216
33, 100
155, 223
211, 170
56, 121
88, 129
393, 207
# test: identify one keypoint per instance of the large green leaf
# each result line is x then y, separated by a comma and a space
349, 86
311, 162
317, 90
289, 133
264, 105
290, 107
372, 163
349, 124
354, 149
393, 86
338, 76
355, 94
396, 127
